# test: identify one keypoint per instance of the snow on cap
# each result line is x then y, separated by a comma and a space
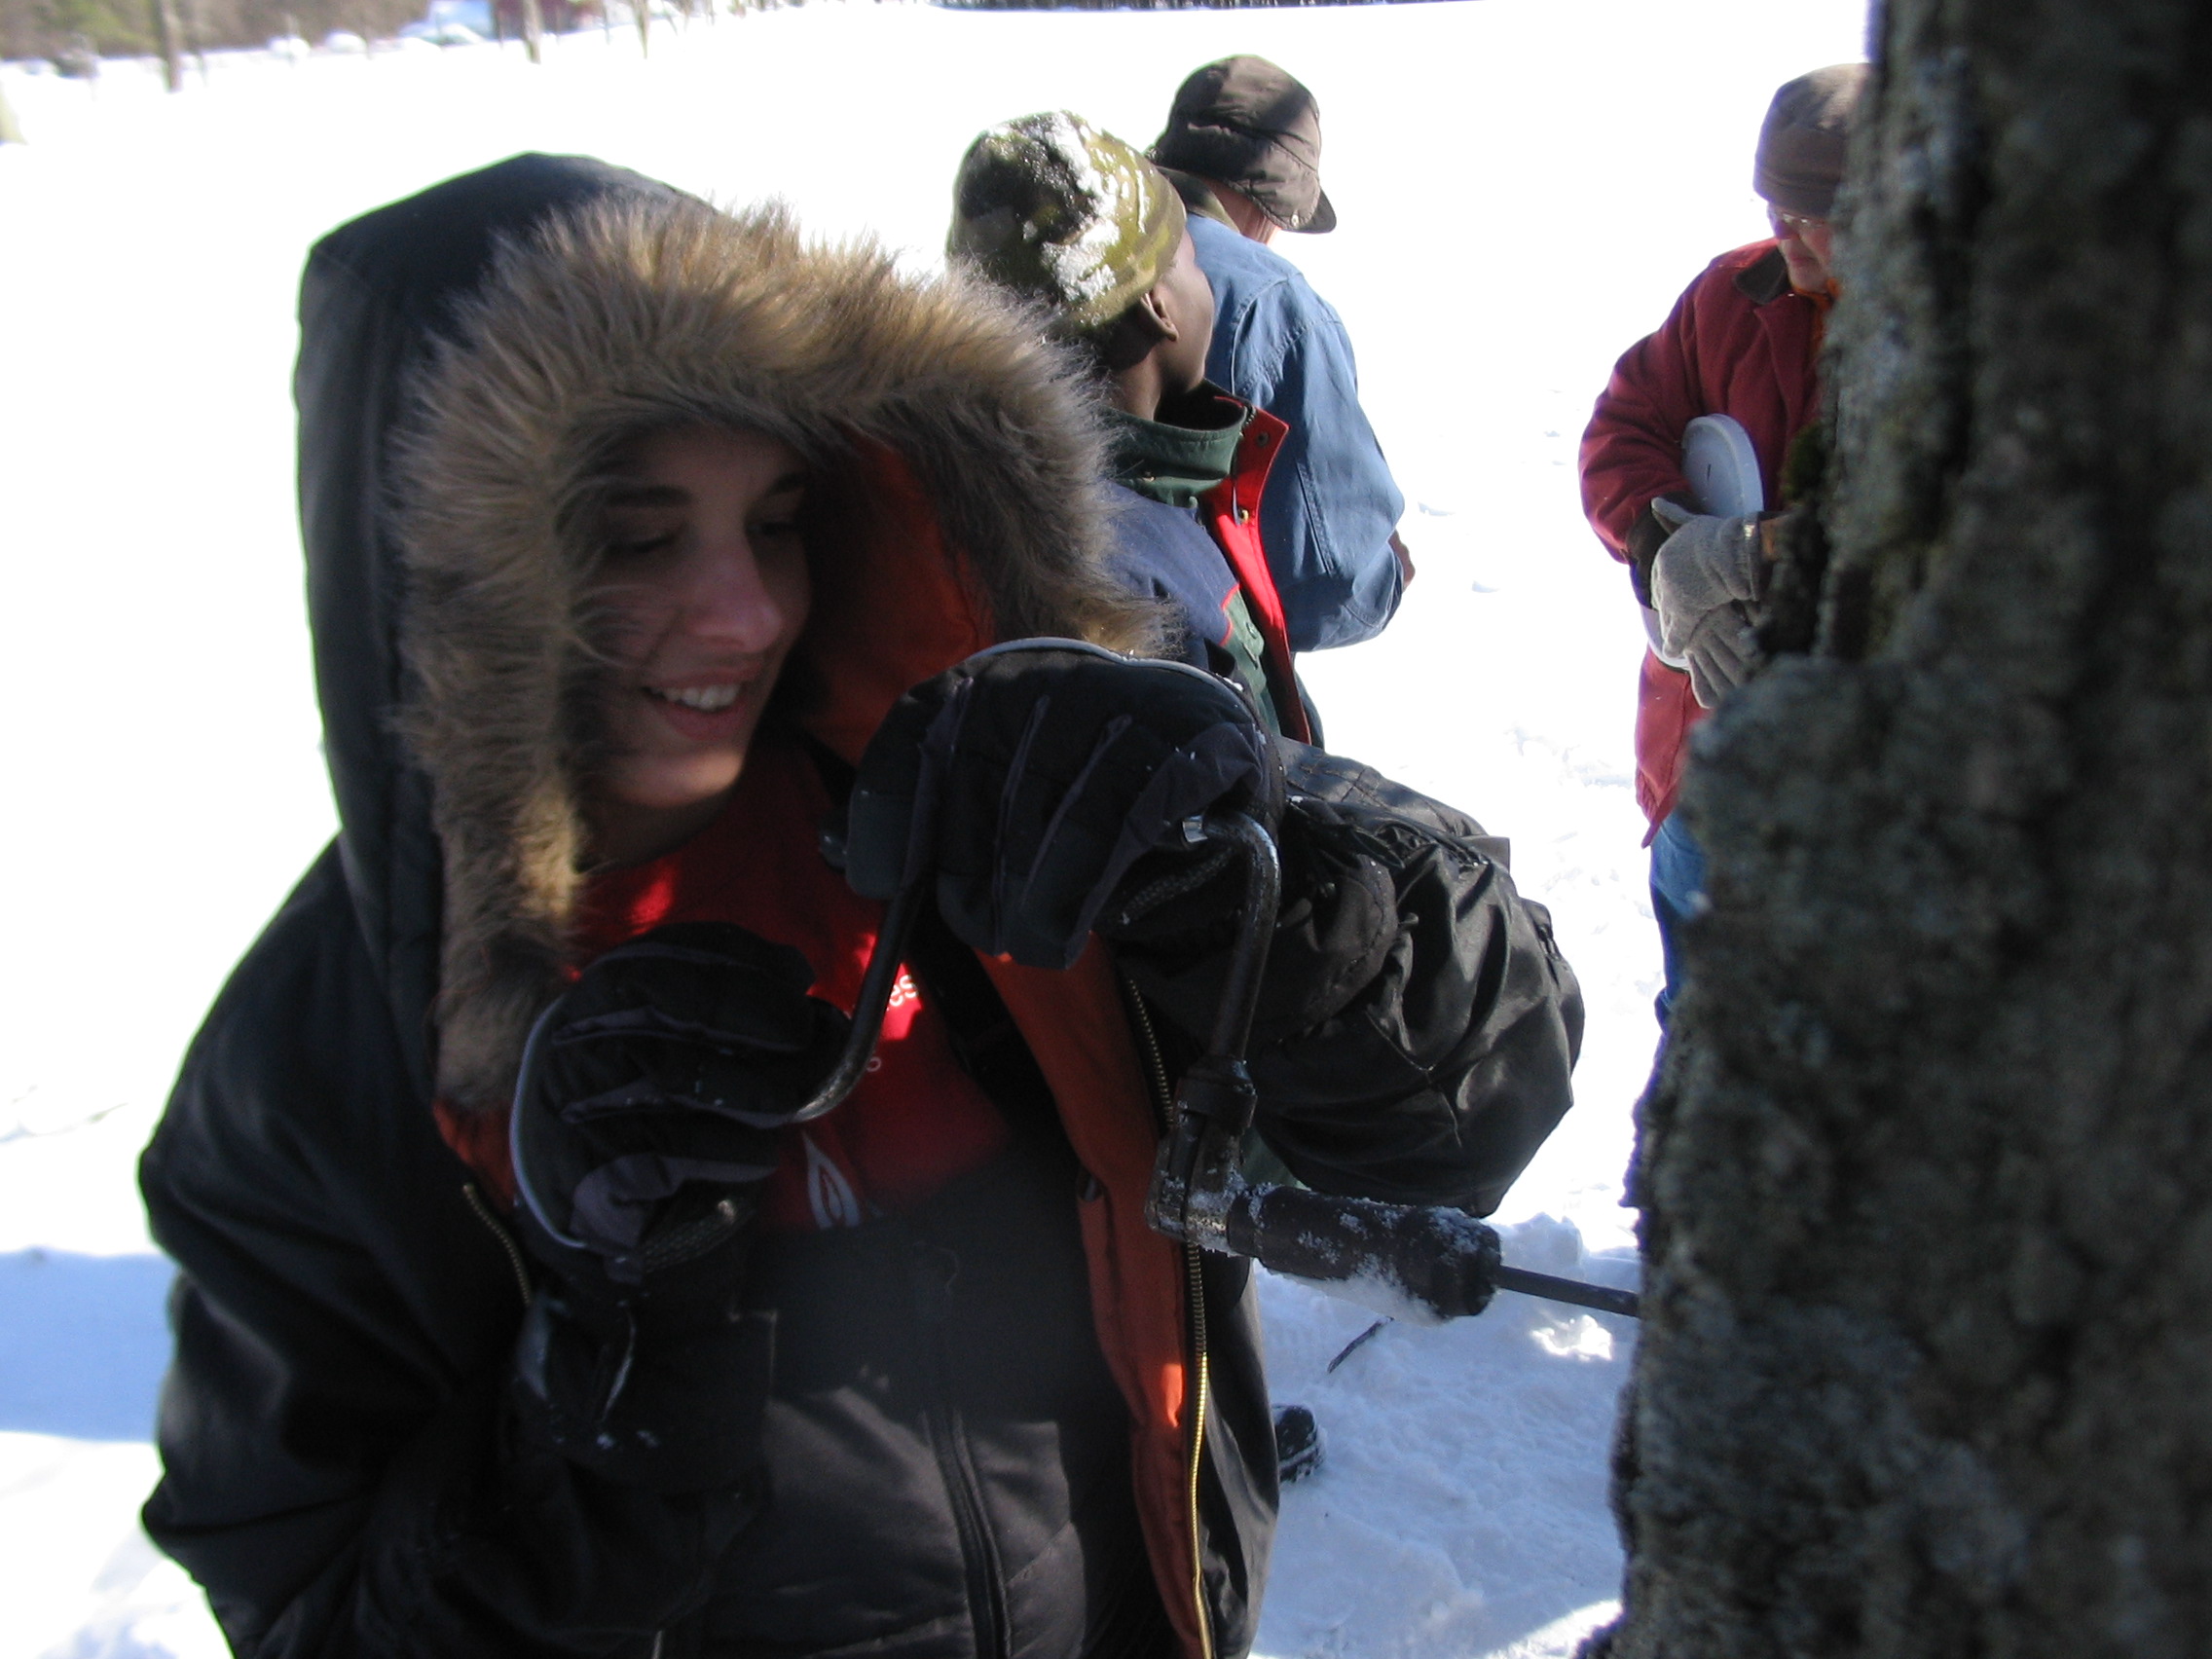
1051, 207
1801, 145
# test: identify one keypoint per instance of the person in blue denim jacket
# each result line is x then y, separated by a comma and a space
1243, 145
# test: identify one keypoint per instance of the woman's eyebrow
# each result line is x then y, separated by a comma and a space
647, 495
789, 482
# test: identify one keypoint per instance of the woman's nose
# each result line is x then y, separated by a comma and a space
732, 602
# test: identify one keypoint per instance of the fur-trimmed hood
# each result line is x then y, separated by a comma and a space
958, 446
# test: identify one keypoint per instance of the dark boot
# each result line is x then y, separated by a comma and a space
1298, 1443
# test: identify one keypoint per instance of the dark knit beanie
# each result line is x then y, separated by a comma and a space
1051, 207
1801, 145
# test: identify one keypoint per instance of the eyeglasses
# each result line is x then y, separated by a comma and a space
1796, 223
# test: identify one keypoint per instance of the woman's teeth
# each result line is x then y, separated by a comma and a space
707, 699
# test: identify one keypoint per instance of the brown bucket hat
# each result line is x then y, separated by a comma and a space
1253, 124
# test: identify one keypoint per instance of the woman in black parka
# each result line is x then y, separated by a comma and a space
628, 522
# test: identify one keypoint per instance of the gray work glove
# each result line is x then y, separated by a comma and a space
1702, 583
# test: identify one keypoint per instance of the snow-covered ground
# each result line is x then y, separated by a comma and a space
1524, 186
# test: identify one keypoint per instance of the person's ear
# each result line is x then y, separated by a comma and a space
1130, 337
1151, 314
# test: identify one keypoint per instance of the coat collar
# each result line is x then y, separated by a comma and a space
1766, 278
1174, 462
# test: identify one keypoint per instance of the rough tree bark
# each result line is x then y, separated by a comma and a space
1927, 1365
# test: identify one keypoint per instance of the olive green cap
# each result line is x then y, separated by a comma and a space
1051, 207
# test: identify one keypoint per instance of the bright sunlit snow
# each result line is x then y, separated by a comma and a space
1524, 187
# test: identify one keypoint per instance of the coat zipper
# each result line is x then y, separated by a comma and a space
506, 1239
1163, 1107
978, 1551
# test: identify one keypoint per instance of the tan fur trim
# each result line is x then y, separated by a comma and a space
631, 315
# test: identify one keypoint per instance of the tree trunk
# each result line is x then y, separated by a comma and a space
1927, 1181
534, 30
196, 34
170, 36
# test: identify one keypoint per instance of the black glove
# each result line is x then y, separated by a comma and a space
648, 1114
1044, 783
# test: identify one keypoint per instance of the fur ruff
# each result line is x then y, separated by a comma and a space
631, 317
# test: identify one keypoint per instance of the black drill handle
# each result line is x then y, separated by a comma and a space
1417, 1263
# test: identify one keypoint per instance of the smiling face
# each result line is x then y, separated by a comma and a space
705, 578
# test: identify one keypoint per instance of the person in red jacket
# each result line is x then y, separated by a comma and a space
1742, 340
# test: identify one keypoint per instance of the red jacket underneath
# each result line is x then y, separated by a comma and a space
1740, 342
1231, 513
916, 1119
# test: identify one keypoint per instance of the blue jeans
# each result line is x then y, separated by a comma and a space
1677, 890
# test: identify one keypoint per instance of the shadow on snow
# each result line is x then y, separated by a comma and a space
87, 1340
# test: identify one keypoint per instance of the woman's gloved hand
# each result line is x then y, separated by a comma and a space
1043, 781
1708, 573
650, 1113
